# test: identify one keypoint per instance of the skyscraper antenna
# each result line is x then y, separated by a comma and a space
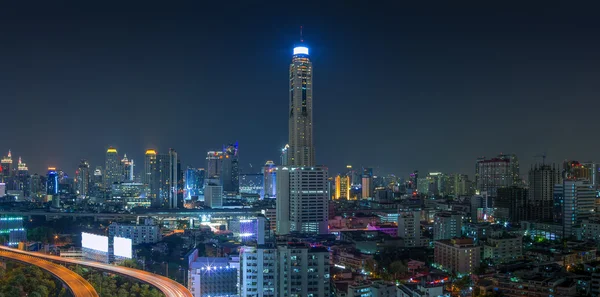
301, 38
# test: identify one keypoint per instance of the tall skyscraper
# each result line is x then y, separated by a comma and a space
52, 182
82, 179
284, 155
214, 161
499, 172
342, 187
515, 200
149, 175
230, 170
112, 168
6, 168
542, 179
302, 200
573, 202
167, 178
367, 183
194, 182
301, 151
270, 178
127, 169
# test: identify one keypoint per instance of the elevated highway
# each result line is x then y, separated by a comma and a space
78, 286
167, 286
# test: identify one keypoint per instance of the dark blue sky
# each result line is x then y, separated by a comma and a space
397, 88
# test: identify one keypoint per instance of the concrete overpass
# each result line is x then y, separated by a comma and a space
78, 286
167, 286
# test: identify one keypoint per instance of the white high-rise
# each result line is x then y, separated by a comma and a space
302, 200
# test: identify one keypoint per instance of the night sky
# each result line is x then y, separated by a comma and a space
397, 88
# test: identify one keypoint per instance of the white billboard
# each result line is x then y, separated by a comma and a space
122, 247
94, 242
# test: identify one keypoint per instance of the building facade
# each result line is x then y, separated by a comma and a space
301, 150
499, 172
447, 225
542, 179
302, 200
458, 255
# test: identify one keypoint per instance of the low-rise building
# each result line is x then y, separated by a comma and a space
504, 248
458, 255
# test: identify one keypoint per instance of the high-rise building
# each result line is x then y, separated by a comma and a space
447, 225
213, 195
214, 161
269, 185
194, 182
230, 170
515, 200
82, 179
409, 227
458, 185
342, 187
284, 155
499, 172
6, 168
542, 179
149, 167
112, 168
166, 182
573, 202
286, 269
303, 270
302, 200
22, 178
367, 183
52, 182
127, 169
301, 150
259, 271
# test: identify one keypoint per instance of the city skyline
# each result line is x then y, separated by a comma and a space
436, 80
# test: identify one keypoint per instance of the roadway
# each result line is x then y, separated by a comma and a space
75, 282
167, 286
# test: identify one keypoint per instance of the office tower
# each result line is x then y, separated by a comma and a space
516, 201
211, 277
542, 179
573, 202
149, 167
13, 227
52, 181
166, 182
447, 225
230, 169
37, 186
194, 182
213, 195
303, 270
6, 168
259, 271
22, 179
499, 172
214, 161
481, 204
409, 227
302, 200
342, 187
460, 255
139, 234
284, 155
367, 183
301, 150
126, 169
112, 168
82, 179
458, 185
269, 185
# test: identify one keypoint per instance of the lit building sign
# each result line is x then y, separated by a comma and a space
301, 50
122, 247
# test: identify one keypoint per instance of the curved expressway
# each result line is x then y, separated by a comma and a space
76, 284
167, 286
